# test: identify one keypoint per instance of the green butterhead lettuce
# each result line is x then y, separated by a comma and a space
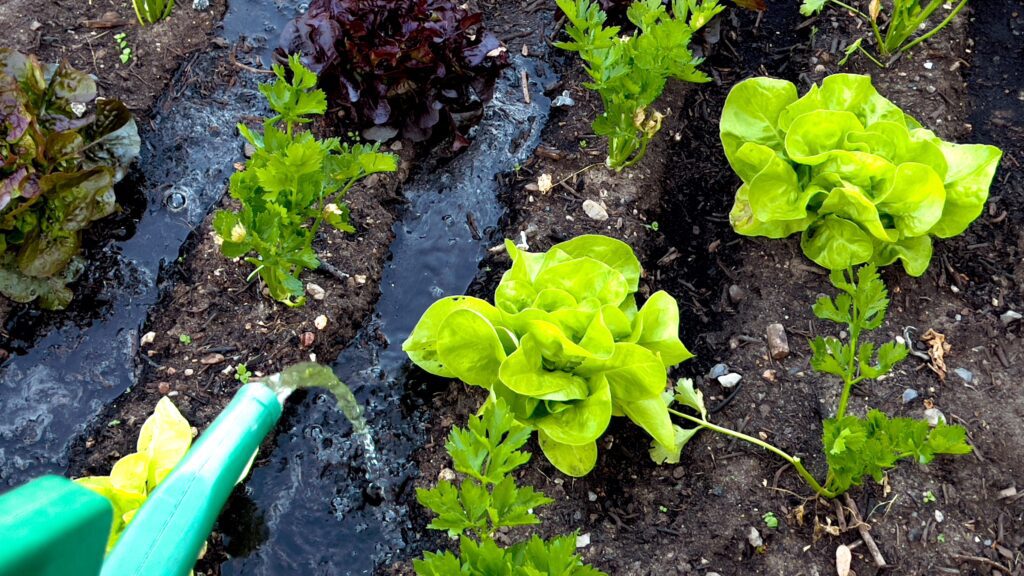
564, 345
859, 179
163, 441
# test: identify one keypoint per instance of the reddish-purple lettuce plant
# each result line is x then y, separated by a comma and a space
413, 67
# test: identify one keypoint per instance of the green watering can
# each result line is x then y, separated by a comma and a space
53, 527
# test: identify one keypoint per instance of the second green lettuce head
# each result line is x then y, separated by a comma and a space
564, 345
858, 178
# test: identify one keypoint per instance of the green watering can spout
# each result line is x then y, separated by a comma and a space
167, 534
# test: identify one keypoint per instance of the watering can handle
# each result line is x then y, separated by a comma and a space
168, 532
53, 527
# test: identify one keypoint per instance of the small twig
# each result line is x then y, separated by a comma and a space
981, 560
246, 66
526, 85
865, 532
328, 268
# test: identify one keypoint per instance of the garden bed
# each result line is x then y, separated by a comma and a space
672, 208
694, 518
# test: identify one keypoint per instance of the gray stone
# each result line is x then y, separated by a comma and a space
1009, 316
909, 395
934, 416
736, 293
778, 343
718, 370
754, 537
965, 374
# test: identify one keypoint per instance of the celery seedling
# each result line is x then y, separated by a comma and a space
629, 71
855, 446
904, 19
292, 185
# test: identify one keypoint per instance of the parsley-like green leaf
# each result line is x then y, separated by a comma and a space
859, 447
812, 7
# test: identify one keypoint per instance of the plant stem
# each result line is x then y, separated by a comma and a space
850, 8
851, 372
935, 30
793, 460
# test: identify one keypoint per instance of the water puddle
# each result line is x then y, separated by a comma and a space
318, 504
61, 381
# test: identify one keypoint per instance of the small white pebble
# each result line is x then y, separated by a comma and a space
583, 540
147, 338
320, 322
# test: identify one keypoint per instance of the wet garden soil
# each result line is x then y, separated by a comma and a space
694, 518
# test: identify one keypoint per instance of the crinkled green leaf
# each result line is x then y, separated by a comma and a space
579, 422
468, 346
861, 180
836, 243
421, 345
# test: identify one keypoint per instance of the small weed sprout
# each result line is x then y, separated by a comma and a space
185, 339
242, 373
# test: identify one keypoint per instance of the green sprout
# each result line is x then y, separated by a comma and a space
770, 520
126, 50
929, 497
185, 339
242, 373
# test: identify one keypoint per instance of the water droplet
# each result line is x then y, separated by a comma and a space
175, 200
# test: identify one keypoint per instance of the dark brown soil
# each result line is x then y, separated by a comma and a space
694, 518
82, 31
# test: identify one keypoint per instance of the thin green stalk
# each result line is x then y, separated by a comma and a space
793, 460
850, 376
850, 8
935, 30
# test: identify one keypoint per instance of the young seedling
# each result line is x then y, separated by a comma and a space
855, 447
629, 71
486, 499
904, 19
292, 185
770, 520
242, 373
185, 339
126, 50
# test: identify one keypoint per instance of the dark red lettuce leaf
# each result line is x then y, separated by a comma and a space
409, 65
61, 152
